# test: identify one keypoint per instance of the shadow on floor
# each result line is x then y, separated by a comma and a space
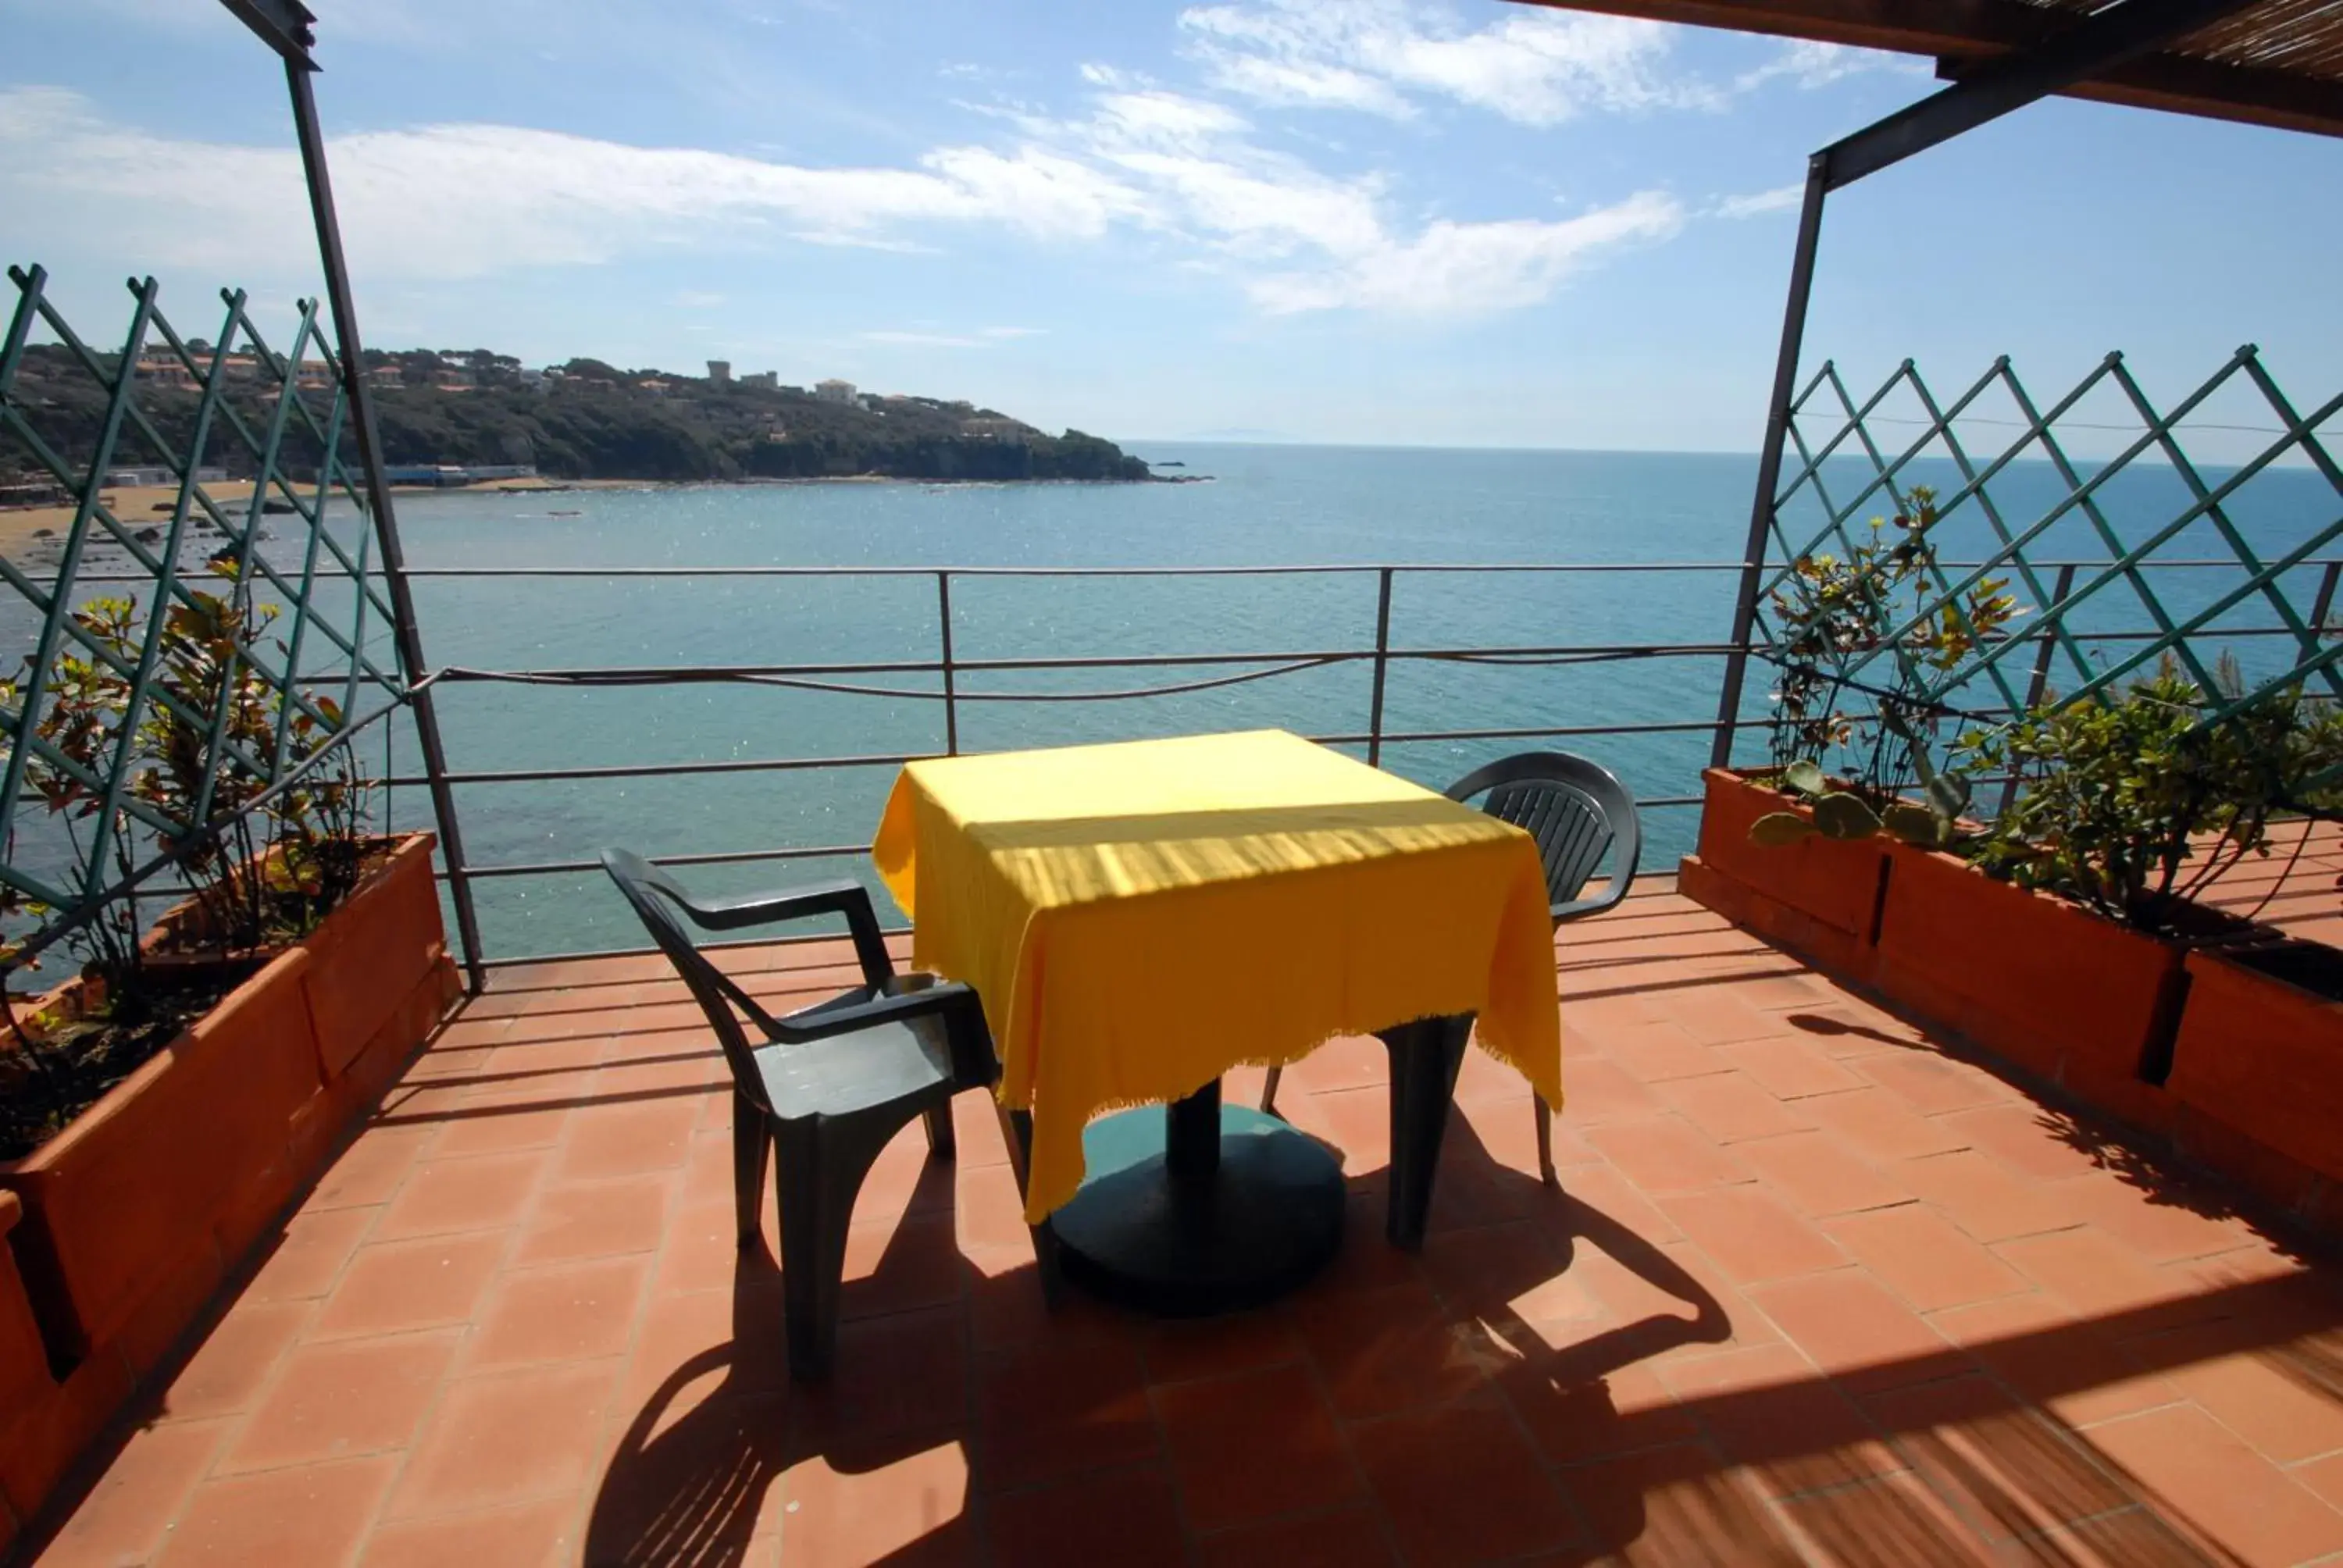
1870, 1463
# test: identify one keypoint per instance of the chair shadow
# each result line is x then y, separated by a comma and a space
689, 1484
692, 1490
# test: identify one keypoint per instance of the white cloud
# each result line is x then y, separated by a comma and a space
697, 300
1535, 67
1781, 198
463, 200
436, 203
1458, 268
984, 337
1311, 84
924, 340
1808, 64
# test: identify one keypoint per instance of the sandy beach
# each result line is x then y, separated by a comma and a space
23, 528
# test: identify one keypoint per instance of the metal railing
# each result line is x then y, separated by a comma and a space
955, 682
365, 573
949, 672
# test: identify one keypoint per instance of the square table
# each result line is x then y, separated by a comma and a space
1140, 917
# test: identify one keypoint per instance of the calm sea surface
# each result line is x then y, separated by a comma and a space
1266, 505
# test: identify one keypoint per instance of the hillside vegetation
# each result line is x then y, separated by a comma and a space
592, 421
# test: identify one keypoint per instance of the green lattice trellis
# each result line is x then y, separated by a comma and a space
2063, 575
325, 588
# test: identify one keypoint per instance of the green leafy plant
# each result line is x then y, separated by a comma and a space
1879, 608
2131, 803
81, 725
265, 869
263, 873
1933, 821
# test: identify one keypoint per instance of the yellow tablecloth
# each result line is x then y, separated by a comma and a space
1140, 917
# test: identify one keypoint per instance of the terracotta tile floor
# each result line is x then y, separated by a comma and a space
1812, 1291
2294, 888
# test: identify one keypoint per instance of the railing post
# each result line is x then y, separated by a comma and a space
404, 633
1383, 664
951, 697
2053, 622
2324, 602
1769, 456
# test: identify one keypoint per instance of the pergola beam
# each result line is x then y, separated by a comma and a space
287, 26
2098, 43
1961, 35
2210, 89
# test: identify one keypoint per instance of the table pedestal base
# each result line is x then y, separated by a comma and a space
1199, 1208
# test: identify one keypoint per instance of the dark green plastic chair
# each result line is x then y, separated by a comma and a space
1581, 816
827, 1087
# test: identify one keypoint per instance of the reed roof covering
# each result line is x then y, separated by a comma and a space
2274, 63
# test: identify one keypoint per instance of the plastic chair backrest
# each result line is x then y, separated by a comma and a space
648, 890
1576, 810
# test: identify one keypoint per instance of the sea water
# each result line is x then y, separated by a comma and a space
1264, 505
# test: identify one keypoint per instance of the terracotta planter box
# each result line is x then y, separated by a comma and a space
1819, 896
369, 957
2263, 1059
23, 1363
134, 1216
122, 1204
2043, 982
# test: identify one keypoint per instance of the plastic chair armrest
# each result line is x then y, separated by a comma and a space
831, 1018
837, 896
1578, 909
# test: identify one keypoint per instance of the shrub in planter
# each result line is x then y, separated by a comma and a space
267, 862
1836, 621
1800, 852
2063, 949
2131, 805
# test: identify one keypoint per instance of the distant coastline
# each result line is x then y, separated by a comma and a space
147, 508
583, 421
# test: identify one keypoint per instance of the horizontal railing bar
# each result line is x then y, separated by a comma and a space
1434, 567
742, 857
655, 770
1402, 738
651, 675
1306, 569
656, 674
717, 857
800, 764
1323, 568
1318, 568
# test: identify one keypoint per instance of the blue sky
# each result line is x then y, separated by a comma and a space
1469, 223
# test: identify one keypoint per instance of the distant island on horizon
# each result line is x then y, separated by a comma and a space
587, 419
